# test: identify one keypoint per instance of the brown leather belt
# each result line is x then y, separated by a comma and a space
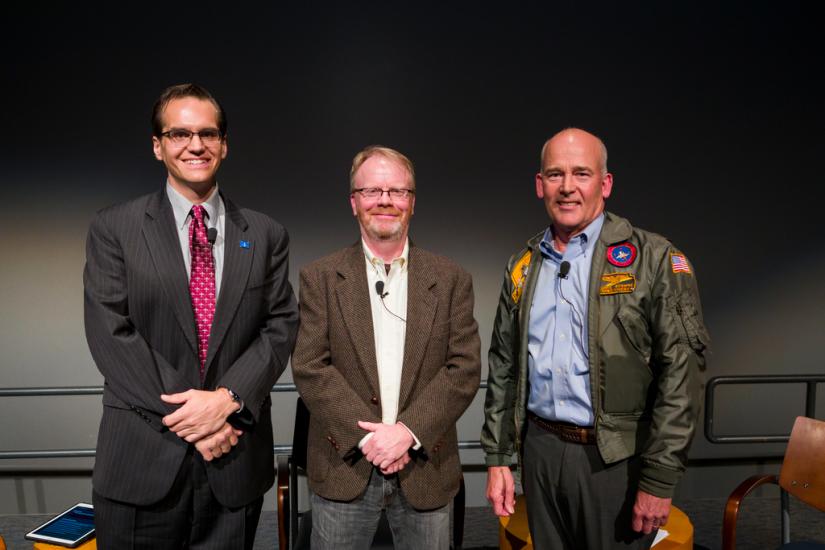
566, 432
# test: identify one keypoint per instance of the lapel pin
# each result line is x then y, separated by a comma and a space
244, 244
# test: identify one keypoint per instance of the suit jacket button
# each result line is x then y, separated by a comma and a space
374, 400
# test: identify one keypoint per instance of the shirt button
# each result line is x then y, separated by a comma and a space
561, 336
561, 403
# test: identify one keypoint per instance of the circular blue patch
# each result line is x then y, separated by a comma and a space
621, 255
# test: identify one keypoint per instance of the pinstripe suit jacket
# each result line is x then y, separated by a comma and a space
335, 369
141, 331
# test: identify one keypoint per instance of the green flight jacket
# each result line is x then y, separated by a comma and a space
647, 345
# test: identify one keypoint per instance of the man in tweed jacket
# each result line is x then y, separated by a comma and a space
387, 360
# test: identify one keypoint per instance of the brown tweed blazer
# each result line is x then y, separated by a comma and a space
335, 369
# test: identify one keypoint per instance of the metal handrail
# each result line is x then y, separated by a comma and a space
810, 380
98, 390
810, 410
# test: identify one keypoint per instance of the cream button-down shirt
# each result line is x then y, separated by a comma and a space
389, 329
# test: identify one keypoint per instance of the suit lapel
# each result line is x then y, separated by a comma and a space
421, 307
237, 263
354, 301
164, 248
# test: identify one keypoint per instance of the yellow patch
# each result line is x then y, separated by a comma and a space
519, 275
617, 283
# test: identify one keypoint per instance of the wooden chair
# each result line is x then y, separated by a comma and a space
802, 475
294, 527
289, 467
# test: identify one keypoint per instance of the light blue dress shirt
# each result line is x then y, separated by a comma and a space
215, 217
557, 334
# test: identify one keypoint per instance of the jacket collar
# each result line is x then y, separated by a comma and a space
615, 229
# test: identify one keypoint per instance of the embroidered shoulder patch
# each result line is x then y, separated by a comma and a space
679, 263
617, 283
519, 275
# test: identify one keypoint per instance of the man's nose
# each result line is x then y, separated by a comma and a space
384, 198
196, 144
567, 186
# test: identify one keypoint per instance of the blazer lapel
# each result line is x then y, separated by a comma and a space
421, 307
354, 301
164, 248
238, 251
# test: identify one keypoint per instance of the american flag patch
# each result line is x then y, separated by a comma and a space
679, 263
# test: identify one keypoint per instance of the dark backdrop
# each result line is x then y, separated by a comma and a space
711, 113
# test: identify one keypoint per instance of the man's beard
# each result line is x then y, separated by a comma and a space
383, 231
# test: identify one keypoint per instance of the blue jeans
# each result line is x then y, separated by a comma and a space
352, 525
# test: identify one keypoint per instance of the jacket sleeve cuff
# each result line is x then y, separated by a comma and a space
658, 481
416, 441
364, 440
498, 459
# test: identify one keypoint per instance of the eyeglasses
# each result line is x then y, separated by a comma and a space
181, 137
373, 193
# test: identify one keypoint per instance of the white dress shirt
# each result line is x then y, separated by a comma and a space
216, 217
389, 329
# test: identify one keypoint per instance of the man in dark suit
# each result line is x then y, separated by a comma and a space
191, 319
387, 360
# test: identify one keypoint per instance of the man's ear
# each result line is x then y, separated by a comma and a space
156, 147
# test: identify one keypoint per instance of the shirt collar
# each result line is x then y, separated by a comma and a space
587, 238
181, 207
377, 262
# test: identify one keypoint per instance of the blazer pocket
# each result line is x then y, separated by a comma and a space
319, 457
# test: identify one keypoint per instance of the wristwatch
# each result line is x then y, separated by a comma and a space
242, 418
236, 398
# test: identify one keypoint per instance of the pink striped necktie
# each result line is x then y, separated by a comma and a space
201, 281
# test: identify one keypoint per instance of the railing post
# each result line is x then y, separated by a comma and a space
810, 400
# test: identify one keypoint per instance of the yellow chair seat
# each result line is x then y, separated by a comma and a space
88, 545
513, 533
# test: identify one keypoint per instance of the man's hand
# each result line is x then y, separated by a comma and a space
202, 413
501, 490
218, 443
649, 512
388, 443
397, 466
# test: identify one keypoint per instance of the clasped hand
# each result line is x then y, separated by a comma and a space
388, 446
201, 419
